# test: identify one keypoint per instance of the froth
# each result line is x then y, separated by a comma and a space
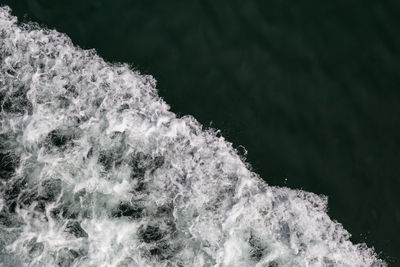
96, 171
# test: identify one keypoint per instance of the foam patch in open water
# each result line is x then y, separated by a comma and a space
96, 171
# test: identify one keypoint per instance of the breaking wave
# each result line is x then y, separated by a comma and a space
96, 171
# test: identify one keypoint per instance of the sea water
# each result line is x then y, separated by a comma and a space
96, 171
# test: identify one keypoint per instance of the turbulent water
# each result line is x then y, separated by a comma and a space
96, 171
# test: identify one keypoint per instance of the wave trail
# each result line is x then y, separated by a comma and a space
96, 171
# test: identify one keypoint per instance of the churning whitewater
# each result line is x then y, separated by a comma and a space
96, 171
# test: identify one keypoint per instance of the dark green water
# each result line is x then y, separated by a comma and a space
310, 88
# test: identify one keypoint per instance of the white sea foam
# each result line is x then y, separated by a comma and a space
96, 171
